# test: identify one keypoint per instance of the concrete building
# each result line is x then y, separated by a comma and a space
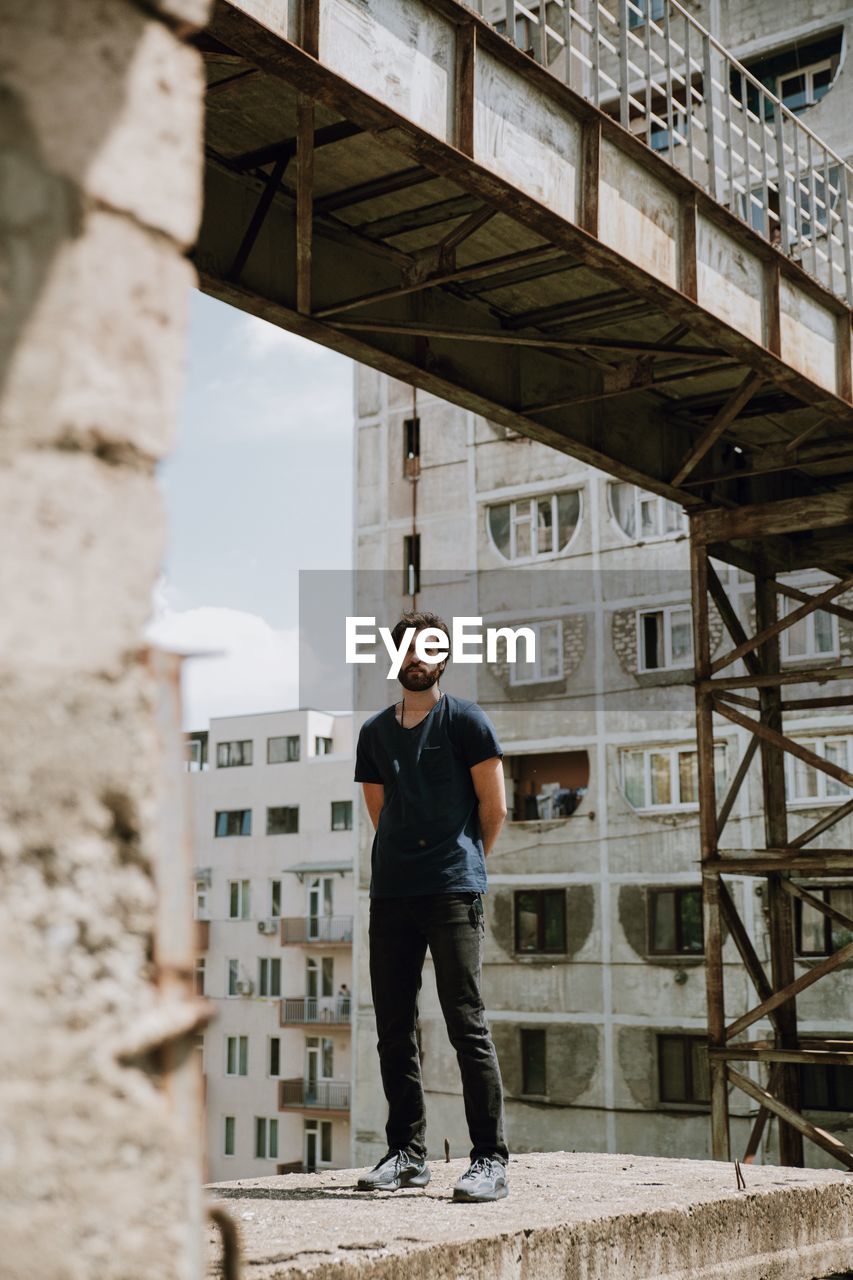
273, 840
593, 974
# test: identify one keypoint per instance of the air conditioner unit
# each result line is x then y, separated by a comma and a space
245, 986
267, 926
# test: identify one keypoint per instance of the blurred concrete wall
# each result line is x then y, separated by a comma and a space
100, 146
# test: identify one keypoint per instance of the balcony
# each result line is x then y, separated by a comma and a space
326, 931
311, 1011
202, 935
314, 1095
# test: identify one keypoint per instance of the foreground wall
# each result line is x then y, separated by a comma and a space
100, 143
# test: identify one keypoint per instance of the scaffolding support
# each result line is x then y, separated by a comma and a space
788, 864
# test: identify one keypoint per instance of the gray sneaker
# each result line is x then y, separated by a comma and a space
484, 1179
396, 1169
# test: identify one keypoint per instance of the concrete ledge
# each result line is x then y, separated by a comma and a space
573, 1216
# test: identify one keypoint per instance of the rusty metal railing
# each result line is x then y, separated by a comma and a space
656, 70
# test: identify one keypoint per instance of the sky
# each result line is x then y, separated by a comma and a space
258, 487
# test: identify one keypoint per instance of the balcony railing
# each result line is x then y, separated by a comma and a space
657, 71
328, 930
324, 1095
325, 1011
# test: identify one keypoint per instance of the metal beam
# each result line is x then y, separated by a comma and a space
721, 421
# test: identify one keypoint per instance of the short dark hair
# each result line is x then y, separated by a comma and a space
420, 621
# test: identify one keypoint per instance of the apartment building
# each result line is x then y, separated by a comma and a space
272, 803
593, 974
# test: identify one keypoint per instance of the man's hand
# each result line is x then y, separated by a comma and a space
488, 779
374, 798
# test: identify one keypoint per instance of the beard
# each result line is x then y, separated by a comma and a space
419, 679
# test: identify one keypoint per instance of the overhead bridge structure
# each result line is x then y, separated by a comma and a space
603, 233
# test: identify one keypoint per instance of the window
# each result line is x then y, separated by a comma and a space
818, 934
660, 136
236, 1055
266, 1138
228, 1146
544, 786
800, 75
641, 515
275, 898
269, 976
233, 822
666, 777
233, 977
675, 922
804, 783
826, 1086
323, 746
814, 636
194, 754
274, 1058
239, 904
411, 564
803, 88
342, 815
683, 1069
327, 979
533, 1078
639, 11
199, 976
283, 820
548, 663
540, 921
523, 38
201, 909
534, 528
283, 750
411, 447
229, 754
318, 1143
664, 638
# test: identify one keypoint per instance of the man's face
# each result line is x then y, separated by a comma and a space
416, 675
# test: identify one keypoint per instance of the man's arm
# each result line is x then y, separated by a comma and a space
374, 798
488, 779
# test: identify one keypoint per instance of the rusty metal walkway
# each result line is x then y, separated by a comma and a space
603, 233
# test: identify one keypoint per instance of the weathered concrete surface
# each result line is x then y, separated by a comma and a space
578, 1216
100, 146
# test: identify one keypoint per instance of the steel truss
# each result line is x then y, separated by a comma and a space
755, 702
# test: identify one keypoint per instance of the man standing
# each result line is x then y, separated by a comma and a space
433, 782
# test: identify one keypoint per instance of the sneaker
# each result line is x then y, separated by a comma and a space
396, 1169
484, 1179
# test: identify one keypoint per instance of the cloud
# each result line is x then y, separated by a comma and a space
239, 664
258, 339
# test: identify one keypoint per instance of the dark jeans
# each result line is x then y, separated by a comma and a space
452, 925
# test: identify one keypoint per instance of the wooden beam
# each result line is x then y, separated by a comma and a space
794, 593
466, 54
736, 784
720, 422
751, 643
816, 511
518, 340
228, 82
403, 180
817, 676
687, 266
590, 174
304, 199
757, 1131
783, 743
262, 208
734, 862
752, 1053
743, 942
823, 824
817, 904
457, 275
732, 622
820, 1137
790, 990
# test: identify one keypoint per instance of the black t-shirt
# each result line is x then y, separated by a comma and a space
428, 839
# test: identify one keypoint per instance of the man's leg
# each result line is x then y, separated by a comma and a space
455, 930
397, 951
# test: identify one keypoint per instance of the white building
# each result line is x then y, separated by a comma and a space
272, 811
